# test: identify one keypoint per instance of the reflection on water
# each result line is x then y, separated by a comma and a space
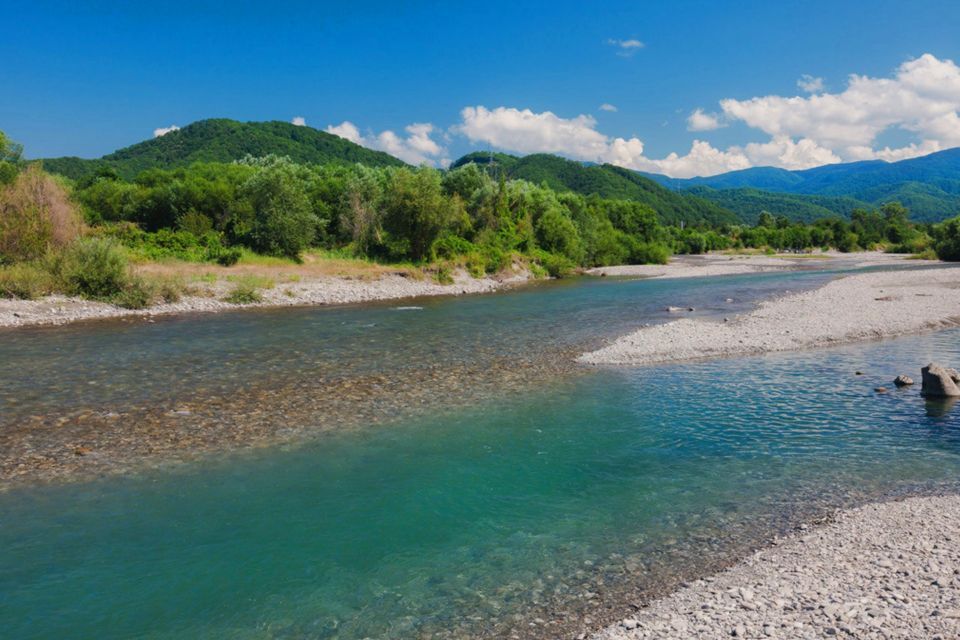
939, 407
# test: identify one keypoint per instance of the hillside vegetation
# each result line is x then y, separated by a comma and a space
222, 140
606, 181
82, 237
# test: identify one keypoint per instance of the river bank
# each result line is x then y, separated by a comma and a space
878, 571
285, 290
331, 282
853, 308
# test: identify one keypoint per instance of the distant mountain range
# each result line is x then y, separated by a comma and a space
929, 185
222, 140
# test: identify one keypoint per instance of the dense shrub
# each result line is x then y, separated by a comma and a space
244, 291
947, 240
27, 281
556, 265
36, 216
93, 268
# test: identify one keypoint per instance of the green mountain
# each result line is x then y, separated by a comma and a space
606, 181
222, 140
747, 203
929, 185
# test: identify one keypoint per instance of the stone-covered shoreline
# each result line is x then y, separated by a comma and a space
859, 307
888, 570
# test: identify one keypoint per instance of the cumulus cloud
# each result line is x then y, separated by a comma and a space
525, 131
417, 147
162, 131
701, 121
810, 84
606, 106
626, 48
299, 121
922, 97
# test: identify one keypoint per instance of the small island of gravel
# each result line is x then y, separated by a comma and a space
858, 307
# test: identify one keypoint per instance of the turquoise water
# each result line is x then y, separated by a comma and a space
476, 520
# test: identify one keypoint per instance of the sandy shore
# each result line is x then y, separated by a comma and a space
888, 570
858, 307
305, 291
725, 265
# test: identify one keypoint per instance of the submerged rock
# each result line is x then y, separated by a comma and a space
938, 383
903, 381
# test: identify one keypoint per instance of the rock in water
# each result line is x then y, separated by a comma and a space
954, 375
903, 381
938, 383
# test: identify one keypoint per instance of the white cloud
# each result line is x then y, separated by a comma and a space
416, 148
524, 131
162, 131
810, 84
626, 47
299, 121
701, 121
527, 132
922, 97
606, 106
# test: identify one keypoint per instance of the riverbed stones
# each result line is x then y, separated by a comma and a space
938, 382
881, 571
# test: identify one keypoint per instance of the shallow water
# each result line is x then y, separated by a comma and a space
547, 504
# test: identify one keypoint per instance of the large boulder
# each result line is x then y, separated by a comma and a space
938, 383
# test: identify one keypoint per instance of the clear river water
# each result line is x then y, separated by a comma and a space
546, 503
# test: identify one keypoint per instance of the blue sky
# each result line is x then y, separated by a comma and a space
85, 78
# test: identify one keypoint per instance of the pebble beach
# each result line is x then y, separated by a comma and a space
889, 570
859, 307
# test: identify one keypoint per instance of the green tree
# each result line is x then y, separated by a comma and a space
947, 240
283, 220
415, 212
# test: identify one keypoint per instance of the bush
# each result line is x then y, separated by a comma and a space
136, 294
244, 292
449, 247
648, 253
558, 266
444, 274
926, 254
25, 281
947, 236
475, 264
229, 256
36, 216
93, 268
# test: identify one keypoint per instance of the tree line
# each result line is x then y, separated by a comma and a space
467, 216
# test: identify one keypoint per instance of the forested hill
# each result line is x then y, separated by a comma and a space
606, 181
929, 185
222, 140
748, 203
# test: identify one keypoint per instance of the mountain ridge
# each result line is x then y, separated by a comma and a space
224, 140
928, 185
